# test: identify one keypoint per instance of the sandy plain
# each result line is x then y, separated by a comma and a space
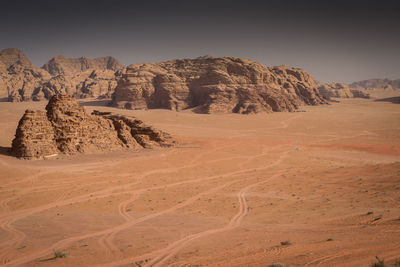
327, 180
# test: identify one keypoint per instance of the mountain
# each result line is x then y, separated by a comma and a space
377, 84
61, 65
81, 78
11, 56
215, 85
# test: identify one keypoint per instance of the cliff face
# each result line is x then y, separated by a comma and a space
65, 128
81, 78
340, 90
377, 84
12, 56
214, 85
61, 65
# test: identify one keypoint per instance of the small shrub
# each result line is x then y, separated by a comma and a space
277, 264
60, 254
286, 243
397, 263
379, 263
329, 239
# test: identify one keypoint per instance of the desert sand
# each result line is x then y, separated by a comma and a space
326, 180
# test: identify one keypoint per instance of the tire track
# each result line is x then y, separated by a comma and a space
6, 222
106, 192
235, 222
159, 257
107, 242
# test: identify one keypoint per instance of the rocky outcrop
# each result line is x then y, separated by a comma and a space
339, 90
88, 84
360, 93
81, 78
22, 83
65, 128
371, 84
215, 85
3, 68
98, 84
61, 65
34, 137
13, 56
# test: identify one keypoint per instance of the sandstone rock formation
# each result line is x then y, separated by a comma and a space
340, 90
81, 78
377, 84
214, 85
11, 56
359, 93
61, 65
3, 68
67, 129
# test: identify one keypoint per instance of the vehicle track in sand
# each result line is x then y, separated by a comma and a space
159, 257
9, 219
15, 235
107, 241
107, 192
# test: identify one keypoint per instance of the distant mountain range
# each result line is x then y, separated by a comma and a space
209, 84
377, 84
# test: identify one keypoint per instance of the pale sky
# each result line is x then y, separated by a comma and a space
335, 40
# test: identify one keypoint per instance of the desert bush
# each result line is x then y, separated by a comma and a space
379, 263
60, 254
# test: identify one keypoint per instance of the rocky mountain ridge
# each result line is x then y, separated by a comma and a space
340, 90
371, 84
206, 84
215, 85
81, 77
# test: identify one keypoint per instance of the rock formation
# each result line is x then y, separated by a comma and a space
214, 85
61, 65
81, 78
340, 90
65, 128
377, 84
12, 56
3, 68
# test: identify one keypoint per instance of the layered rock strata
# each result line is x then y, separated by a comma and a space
65, 128
81, 78
340, 90
215, 85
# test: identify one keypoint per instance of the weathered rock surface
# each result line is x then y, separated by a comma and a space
12, 56
61, 65
22, 83
215, 85
340, 90
81, 78
67, 129
34, 137
377, 84
3, 68
359, 93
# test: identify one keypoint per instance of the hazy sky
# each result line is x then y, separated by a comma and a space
338, 40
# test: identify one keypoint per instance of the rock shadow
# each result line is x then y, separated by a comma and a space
94, 103
6, 151
394, 100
